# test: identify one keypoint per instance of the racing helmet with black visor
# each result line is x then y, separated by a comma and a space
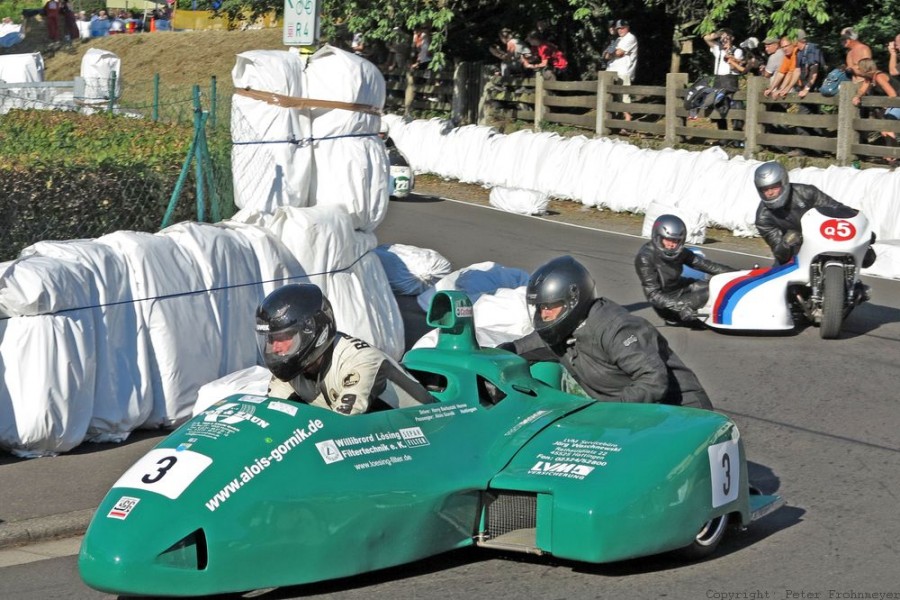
294, 327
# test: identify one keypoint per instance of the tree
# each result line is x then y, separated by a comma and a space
464, 29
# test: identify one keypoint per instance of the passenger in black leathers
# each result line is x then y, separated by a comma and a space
781, 206
613, 355
660, 265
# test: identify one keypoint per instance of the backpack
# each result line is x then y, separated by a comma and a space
833, 81
696, 94
703, 97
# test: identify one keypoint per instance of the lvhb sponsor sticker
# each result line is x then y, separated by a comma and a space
123, 508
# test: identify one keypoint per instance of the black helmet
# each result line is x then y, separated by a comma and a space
294, 327
769, 175
562, 282
668, 227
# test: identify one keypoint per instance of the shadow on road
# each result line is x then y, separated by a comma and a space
867, 318
417, 199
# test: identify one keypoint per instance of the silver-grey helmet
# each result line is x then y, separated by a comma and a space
668, 227
562, 283
769, 175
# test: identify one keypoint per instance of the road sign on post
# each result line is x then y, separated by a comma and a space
301, 22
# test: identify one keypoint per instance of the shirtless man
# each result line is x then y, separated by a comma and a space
856, 51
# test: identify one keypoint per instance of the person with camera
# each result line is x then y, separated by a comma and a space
728, 65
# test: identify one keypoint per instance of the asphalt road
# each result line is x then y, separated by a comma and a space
818, 418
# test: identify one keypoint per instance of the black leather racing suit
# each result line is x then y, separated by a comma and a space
772, 224
661, 279
619, 357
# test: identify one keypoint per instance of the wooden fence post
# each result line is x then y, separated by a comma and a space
538, 100
410, 94
458, 103
845, 132
674, 82
604, 80
755, 87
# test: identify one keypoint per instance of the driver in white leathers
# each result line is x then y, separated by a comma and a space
313, 362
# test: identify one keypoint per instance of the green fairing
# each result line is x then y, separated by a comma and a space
272, 498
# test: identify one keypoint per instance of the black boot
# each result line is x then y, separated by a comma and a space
869, 258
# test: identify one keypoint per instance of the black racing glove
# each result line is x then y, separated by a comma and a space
686, 313
792, 239
508, 346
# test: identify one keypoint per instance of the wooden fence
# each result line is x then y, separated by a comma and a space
830, 126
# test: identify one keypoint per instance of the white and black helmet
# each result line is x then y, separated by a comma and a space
769, 175
294, 327
672, 228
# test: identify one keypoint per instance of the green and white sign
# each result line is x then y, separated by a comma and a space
301, 22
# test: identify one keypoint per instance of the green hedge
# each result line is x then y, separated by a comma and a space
65, 176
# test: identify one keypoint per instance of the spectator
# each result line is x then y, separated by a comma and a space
608, 52
117, 25
879, 83
625, 58
163, 21
728, 64
397, 50
811, 63
51, 13
84, 25
358, 44
788, 72
548, 59
893, 48
776, 56
10, 33
856, 51
421, 45
512, 53
754, 56
67, 21
769, 71
100, 25
546, 31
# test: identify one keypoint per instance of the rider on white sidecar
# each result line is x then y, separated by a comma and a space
820, 245
781, 206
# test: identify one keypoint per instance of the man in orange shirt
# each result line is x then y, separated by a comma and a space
788, 73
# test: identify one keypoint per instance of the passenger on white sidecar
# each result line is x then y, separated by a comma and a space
660, 265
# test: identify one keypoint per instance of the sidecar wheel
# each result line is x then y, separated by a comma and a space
707, 539
833, 296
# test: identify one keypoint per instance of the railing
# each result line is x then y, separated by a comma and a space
834, 126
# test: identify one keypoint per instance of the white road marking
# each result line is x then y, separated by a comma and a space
40, 551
